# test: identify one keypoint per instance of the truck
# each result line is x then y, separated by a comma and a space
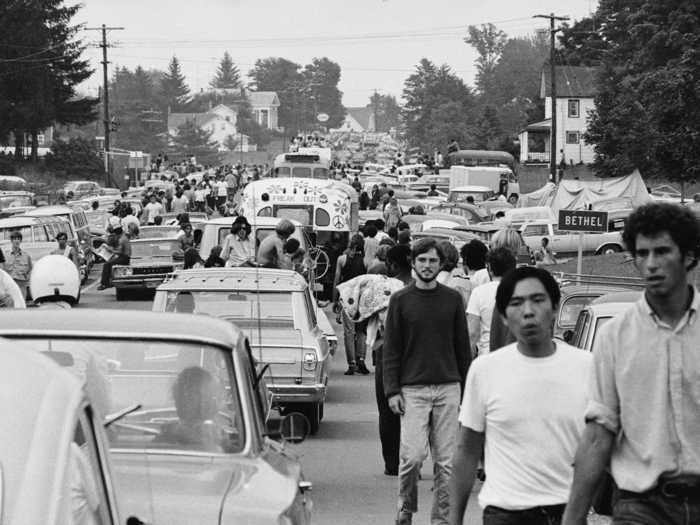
566, 243
488, 176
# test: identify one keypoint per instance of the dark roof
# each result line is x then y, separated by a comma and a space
128, 324
361, 115
263, 98
571, 81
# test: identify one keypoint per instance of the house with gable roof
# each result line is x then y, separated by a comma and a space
575, 90
219, 120
358, 120
265, 105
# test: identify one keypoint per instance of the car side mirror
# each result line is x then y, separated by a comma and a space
292, 428
133, 520
568, 336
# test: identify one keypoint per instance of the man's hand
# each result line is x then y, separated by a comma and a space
396, 404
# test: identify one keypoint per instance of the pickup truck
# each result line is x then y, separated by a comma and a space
566, 243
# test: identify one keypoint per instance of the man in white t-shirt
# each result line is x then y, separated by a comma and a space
483, 299
524, 407
153, 209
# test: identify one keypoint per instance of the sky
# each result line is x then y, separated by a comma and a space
377, 43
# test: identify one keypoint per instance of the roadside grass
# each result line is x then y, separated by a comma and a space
614, 265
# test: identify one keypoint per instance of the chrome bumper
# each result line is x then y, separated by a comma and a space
282, 394
146, 282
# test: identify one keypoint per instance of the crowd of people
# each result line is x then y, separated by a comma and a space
467, 369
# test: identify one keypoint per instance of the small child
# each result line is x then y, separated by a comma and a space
293, 250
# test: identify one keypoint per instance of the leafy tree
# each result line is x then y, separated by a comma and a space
75, 157
488, 129
227, 75
284, 77
489, 43
174, 90
193, 140
387, 110
648, 104
322, 77
438, 106
40, 68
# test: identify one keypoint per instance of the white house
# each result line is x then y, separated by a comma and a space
219, 120
575, 88
264, 105
358, 120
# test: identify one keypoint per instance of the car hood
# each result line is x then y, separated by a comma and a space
184, 489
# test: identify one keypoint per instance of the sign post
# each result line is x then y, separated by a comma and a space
582, 221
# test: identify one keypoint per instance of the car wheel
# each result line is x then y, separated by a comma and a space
121, 294
609, 249
312, 411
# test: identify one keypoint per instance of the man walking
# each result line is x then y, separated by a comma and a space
643, 417
426, 356
19, 263
526, 403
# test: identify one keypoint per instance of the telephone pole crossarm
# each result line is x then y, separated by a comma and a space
553, 88
105, 92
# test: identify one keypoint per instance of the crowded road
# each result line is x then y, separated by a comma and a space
343, 460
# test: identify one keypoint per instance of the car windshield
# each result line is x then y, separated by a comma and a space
188, 395
14, 201
158, 232
154, 248
245, 308
459, 196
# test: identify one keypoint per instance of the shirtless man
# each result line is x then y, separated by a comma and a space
271, 248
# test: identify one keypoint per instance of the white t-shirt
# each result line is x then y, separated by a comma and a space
153, 209
481, 303
222, 188
480, 277
532, 412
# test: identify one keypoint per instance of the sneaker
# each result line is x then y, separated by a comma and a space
351, 370
362, 368
103, 287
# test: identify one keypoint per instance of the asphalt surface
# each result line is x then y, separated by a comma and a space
343, 461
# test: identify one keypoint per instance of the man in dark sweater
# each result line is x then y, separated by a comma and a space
425, 361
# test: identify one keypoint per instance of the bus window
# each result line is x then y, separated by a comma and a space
283, 171
302, 172
320, 173
322, 217
297, 213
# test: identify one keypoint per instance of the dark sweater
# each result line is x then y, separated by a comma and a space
426, 341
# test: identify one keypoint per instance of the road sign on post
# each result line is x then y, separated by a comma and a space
582, 221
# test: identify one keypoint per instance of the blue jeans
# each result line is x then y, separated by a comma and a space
354, 336
429, 421
550, 515
653, 508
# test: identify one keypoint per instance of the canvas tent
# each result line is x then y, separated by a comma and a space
579, 194
540, 197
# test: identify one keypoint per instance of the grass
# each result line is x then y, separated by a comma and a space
617, 264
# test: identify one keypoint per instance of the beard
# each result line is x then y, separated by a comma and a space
424, 278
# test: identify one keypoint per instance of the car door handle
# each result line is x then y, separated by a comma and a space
305, 486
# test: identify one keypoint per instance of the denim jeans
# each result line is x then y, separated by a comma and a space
429, 420
550, 515
354, 338
653, 508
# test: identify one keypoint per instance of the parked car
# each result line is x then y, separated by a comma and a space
82, 188
566, 243
215, 231
597, 313
190, 445
74, 214
49, 424
151, 261
474, 214
480, 193
16, 202
274, 308
457, 237
418, 223
483, 231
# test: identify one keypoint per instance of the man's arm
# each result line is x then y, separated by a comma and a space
592, 458
474, 329
392, 351
336, 279
462, 347
465, 461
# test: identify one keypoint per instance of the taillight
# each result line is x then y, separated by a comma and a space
310, 361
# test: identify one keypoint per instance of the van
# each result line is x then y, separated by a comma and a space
74, 214
215, 231
38, 234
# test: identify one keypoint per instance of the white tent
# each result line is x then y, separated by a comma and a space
579, 194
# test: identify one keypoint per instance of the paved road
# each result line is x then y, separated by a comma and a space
343, 460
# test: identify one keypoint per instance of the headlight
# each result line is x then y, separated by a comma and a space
310, 361
122, 271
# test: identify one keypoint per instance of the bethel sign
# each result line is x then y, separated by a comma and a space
583, 221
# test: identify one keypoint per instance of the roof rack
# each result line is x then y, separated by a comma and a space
574, 278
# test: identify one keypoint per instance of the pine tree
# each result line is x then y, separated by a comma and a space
173, 88
193, 140
40, 67
227, 76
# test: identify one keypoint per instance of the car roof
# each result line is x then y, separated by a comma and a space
119, 324
621, 296
45, 211
458, 234
609, 308
573, 288
256, 221
27, 220
471, 188
235, 278
38, 426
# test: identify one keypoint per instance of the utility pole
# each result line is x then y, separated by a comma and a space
553, 92
105, 92
374, 108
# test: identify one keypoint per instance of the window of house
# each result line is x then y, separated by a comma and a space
40, 139
264, 117
228, 119
572, 137
574, 108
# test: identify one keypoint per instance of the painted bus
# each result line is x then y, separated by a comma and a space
310, 163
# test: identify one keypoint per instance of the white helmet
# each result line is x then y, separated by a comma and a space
55, 278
